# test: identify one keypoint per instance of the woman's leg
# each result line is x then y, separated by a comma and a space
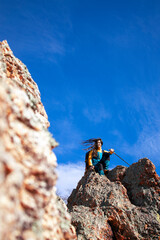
99, 168
105, 163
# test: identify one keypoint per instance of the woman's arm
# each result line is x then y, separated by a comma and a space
90, 159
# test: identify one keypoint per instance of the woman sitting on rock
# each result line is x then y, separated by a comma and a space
97, 158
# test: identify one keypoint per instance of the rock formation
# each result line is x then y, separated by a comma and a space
123, 205
28, 203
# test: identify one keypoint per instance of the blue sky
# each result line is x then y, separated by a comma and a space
97, 67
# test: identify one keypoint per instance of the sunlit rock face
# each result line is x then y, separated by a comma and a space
28, 203
123, 205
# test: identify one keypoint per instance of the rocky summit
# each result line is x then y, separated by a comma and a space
125, 204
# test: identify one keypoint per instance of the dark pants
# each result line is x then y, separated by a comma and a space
101, 166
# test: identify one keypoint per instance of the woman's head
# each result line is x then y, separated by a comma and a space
98, 143
92, 143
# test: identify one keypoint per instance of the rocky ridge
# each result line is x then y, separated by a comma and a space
123, 205
28, 203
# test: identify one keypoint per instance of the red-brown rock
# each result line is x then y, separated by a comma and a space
125, 204
28, 203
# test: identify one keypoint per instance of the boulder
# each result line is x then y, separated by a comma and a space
122, 205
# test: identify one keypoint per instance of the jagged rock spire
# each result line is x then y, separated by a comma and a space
28, 203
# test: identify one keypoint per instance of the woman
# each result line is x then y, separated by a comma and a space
97, 158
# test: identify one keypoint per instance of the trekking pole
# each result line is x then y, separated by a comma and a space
121, 158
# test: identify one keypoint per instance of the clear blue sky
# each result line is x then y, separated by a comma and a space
97, 65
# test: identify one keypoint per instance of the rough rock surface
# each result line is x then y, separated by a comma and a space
28, 203
123, 205
65, 220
